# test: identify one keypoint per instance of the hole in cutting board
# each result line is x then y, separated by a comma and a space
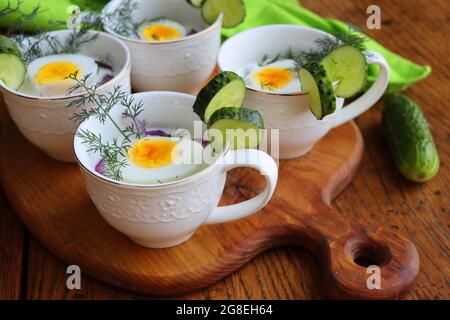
365, 261
365, 255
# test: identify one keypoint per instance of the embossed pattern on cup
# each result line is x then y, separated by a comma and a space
298, 129
158, 217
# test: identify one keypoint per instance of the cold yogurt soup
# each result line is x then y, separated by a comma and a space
159, 157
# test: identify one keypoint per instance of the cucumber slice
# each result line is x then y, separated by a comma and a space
227, 89
9, 46
195, 3
348, 66
233, 12
12, 68
314, 81
241, 127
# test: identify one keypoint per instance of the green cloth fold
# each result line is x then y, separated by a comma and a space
52, 13
259, 12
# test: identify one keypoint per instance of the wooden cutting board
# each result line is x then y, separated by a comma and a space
51, 201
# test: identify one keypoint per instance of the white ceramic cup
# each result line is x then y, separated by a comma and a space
182, 65
299, 130
164, 215
45, 121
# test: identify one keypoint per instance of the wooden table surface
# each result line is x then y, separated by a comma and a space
418, 30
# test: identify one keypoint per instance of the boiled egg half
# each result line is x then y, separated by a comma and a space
48, 75
278, 77
162, 30
156, 159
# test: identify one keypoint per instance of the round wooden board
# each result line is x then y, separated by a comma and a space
51, 200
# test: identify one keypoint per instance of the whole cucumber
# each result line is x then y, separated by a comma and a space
409, 138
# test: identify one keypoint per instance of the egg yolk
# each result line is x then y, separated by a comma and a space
161, 32
56, 71
273, 78
147, 153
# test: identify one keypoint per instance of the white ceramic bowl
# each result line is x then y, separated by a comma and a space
182, 65
164, 215
290, 113
46, 122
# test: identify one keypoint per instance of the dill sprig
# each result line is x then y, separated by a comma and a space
82, 36
32, 46
113, 153
122, 20
266, 59
324, 46
103, 103
132, 111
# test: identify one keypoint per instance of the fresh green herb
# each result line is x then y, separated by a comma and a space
328, 44
122, 20
266, 59
114, 153
324, 46
31, 46
82, 36
351, 38
132, 111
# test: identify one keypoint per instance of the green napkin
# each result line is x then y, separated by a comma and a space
263, 12
53, 15
259, 12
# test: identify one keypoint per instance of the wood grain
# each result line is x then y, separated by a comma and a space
13, 243
56, 208
417, 30
12, 248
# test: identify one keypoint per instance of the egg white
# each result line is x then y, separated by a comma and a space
87, 65
166, 22
185, 162
292, 87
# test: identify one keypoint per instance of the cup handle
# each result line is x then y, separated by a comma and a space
368, 99
255, 159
